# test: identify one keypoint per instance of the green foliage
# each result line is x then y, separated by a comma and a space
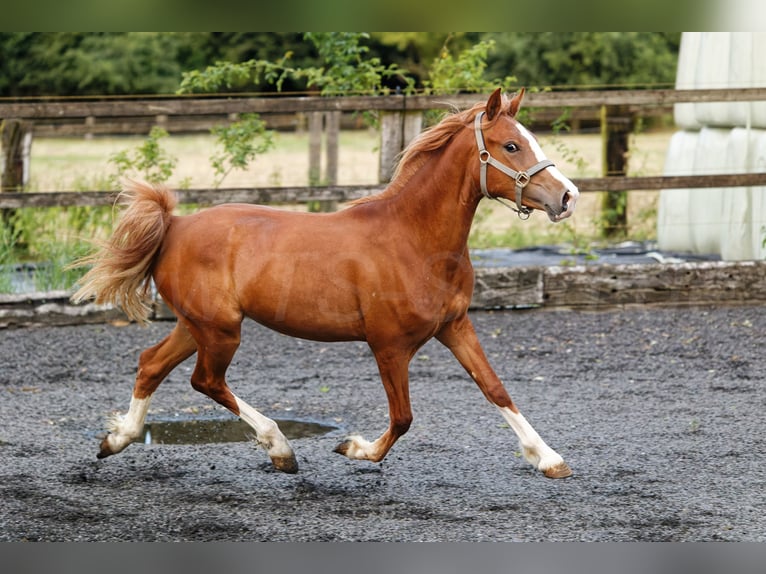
465, 72
54, 273
344, 70
50, 239
587, 58
8, 240
240, 143
347, 69
570, 155
97, 63
613, 213
78, 63
149, 160
228, 76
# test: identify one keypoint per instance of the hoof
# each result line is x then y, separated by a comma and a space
106, 449
286, 464
560, 470
343, 447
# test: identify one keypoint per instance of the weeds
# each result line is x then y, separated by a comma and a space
149, 160
240, 142
47, 240
43, 241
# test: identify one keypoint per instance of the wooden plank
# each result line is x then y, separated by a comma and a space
667, 284
277, 195
341, 193
52, 108
74, 127
195, 106
670, 182
263, 196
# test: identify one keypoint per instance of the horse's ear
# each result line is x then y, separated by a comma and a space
494, 103
516, 102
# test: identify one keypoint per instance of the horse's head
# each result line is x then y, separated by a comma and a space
519, 169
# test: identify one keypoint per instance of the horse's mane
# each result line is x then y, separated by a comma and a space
425, 144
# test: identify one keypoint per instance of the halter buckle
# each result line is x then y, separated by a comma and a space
522, 179
484, 156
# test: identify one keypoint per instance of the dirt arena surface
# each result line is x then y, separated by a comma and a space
659, 412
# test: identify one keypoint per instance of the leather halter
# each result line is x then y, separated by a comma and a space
520, 177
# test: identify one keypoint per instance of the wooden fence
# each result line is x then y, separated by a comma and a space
400, 121
590, 286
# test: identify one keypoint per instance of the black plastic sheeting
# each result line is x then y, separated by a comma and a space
550, 255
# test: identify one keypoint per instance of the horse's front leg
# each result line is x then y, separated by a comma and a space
393, 367
460, 337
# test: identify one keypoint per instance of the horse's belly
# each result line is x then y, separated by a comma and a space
312, 305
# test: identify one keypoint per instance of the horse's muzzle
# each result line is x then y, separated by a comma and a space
567, 207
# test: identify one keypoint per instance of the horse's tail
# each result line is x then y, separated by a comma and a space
122, 267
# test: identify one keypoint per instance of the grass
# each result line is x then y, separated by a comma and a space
54, 237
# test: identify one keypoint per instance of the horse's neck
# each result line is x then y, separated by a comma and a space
437, 204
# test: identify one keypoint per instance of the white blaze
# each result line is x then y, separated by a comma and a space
534, 145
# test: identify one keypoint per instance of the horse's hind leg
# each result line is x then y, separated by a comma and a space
216, 350
461, 339
154, 365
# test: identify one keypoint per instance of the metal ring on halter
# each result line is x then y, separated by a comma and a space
522, 179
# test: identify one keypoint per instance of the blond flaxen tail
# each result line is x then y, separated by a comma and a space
121, 268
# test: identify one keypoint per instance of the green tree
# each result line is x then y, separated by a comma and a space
69, 63
586, 58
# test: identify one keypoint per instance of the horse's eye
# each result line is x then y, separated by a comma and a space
511, 147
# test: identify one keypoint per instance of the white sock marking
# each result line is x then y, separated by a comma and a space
127, 428
537, 453
266, 430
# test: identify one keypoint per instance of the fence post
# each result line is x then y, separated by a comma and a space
616, 125
90, 121
320, 122
16, 145
315, 147
397, 129
332, 125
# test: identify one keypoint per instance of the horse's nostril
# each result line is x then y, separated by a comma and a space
565, 201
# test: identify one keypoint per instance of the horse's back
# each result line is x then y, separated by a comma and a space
285, 269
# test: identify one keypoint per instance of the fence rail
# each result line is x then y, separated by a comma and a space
344, 193
192, 105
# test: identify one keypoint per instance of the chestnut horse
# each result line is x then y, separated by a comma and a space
392, 270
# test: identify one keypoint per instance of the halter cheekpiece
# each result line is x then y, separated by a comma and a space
520, 177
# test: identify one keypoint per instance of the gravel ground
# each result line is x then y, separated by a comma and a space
659, 412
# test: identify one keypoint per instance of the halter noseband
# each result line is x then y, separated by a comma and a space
520, 177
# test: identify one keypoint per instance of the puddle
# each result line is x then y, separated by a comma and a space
204, 431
